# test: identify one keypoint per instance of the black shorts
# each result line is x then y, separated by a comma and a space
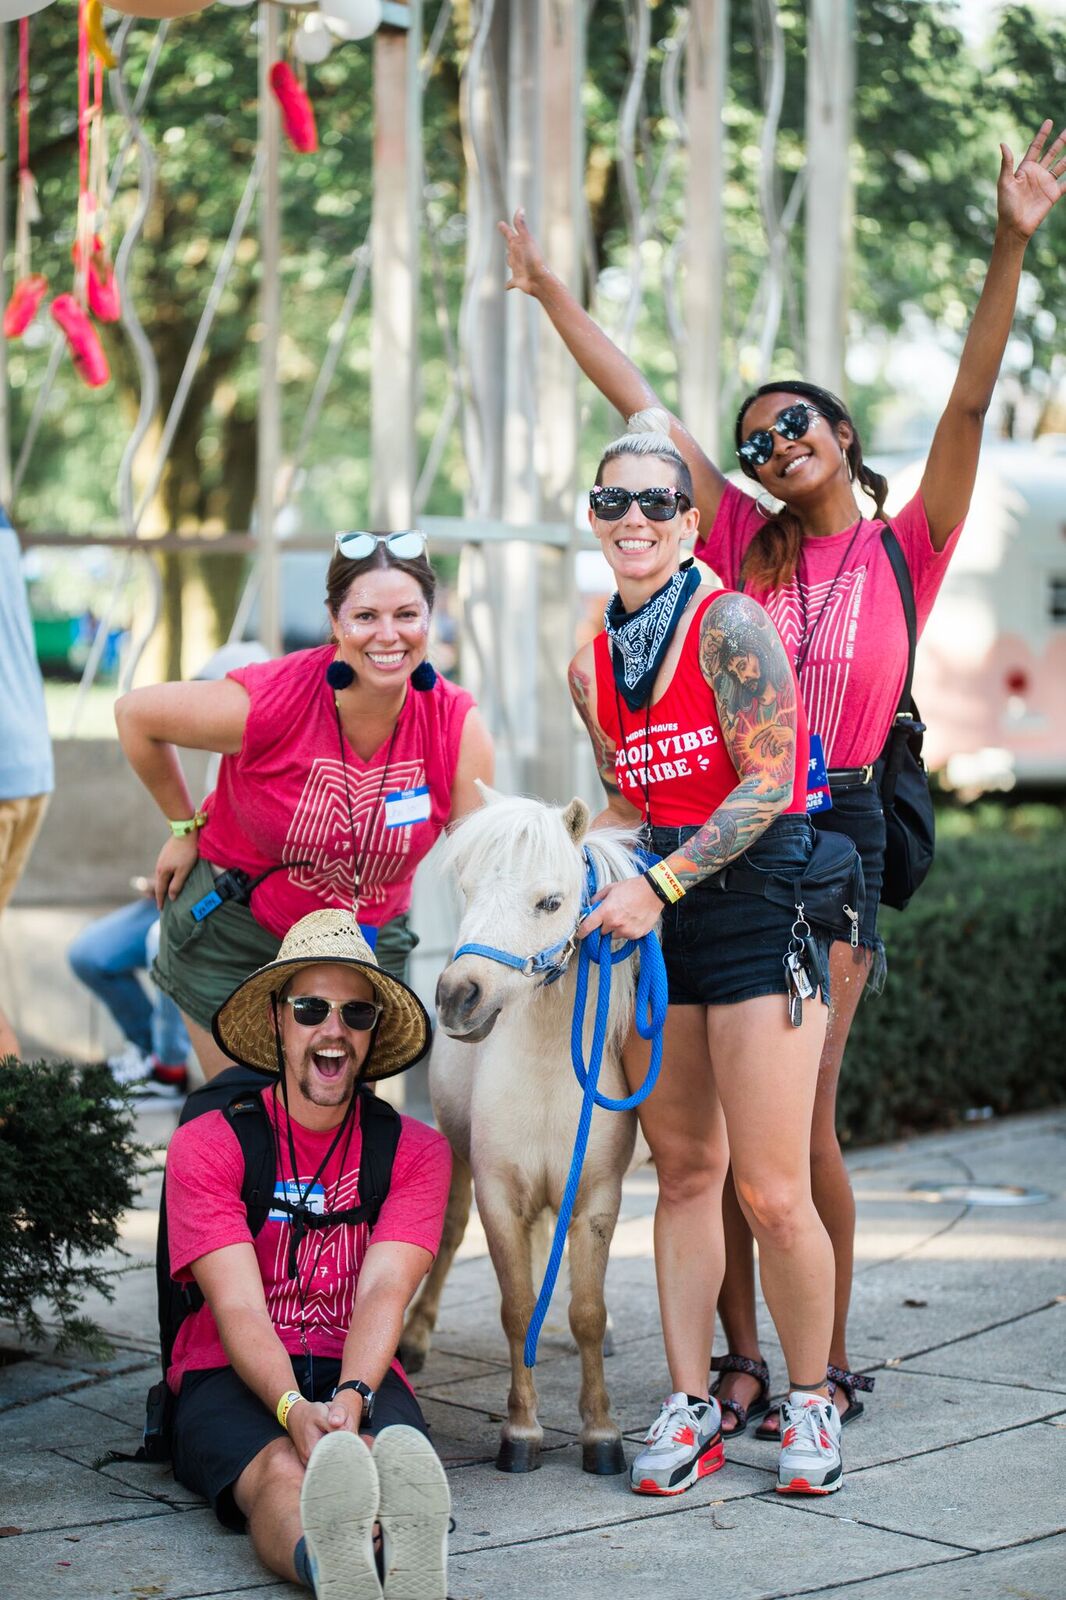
721, 948
220, 1426
858, 813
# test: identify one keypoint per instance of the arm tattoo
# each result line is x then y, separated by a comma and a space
602, 747
744, 662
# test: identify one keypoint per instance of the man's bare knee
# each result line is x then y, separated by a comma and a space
276, 1470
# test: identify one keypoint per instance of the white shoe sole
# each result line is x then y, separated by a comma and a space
338, 1508
413, 1512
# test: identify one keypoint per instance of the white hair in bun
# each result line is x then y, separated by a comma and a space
648, 434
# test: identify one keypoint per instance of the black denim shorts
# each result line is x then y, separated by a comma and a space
858, 813
723, 946
220, 1426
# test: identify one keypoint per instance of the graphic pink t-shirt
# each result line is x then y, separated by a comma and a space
205, 1170
283, 797
845, 598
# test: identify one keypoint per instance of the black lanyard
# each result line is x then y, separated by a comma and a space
357, 864
807, 637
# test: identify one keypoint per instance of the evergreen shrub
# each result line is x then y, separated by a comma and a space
972, 1014
68, 1171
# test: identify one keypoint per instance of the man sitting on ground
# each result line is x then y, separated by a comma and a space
291, 1358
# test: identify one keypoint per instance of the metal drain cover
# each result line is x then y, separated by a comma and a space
978, 1194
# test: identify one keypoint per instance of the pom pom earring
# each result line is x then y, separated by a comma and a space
339, 675
424, 676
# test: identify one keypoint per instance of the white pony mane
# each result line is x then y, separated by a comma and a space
513, 837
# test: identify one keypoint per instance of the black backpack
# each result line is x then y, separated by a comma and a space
237, 1093
910, 836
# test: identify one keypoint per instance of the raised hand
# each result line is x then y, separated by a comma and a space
1024, 197
523, 254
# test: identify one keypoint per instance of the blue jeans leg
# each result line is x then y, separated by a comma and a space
170, 1041
107, 956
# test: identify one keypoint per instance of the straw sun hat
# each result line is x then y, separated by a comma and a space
244, 1026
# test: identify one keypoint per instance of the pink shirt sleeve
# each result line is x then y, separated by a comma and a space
413, 1212
205, 1170
737, 522
927, 566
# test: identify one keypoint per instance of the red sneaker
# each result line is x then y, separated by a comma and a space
296, 109
90, 363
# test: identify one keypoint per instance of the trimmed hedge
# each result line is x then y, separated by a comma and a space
972, 1013
68, 1171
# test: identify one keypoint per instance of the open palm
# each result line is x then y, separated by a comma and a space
1025, 196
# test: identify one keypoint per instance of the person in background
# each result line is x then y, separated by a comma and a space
26, 770
107, 956
815, 558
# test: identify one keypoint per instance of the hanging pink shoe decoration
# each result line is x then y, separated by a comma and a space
90, 363
104, 301
30, 287
23, 306
296, 110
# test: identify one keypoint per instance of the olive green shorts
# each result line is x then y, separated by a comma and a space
201, 963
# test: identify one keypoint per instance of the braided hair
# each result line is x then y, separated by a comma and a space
771, 558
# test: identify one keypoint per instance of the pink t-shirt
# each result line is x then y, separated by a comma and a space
844, 594
205, 1170
282, 798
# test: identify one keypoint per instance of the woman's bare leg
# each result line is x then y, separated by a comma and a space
682, 1122
766, 1072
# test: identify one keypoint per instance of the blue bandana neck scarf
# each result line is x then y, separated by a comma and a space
640, 639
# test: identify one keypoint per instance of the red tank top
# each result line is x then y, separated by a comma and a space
671, 759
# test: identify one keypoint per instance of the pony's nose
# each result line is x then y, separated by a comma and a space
461, 998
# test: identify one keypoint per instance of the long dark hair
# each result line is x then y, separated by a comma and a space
771, 557
343, 572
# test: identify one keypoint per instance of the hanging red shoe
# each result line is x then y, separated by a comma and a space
21, 309
90, 363
104, 302
296, 109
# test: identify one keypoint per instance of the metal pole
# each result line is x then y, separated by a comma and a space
705, 63
268, 428
830, 89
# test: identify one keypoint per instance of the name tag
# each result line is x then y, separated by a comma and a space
818, 795
290, 1191
405, 806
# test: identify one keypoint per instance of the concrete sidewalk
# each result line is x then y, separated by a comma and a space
956, 1476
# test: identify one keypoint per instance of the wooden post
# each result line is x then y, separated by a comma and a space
394, 271
706, 50
830, 91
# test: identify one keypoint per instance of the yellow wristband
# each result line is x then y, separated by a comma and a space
186, 825
668, 883
285, 1405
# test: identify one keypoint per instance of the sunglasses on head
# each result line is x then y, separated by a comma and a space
658, 505
406, 545
310, 1011
791, 423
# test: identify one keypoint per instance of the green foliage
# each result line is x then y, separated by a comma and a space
68, 1170
971, 1015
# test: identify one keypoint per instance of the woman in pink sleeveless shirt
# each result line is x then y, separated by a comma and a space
340, 767
819, 567
694, 713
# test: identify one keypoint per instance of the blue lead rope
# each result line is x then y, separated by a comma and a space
651, 1004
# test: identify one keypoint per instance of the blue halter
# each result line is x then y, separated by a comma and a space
549, 964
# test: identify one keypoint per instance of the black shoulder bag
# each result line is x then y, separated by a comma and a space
899, 771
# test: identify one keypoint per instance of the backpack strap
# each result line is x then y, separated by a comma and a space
901, 572
381, 1127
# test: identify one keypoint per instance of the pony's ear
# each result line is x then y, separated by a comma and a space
489, 795
576, 819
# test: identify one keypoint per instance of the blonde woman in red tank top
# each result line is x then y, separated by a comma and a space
694, 715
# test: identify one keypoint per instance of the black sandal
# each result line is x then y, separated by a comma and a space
849, 1382
759, 1406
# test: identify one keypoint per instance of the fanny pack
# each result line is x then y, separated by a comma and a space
829, 889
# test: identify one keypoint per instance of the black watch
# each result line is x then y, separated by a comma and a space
360, 1388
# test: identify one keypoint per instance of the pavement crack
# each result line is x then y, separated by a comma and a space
878, 1527
975, 1333
889, 1572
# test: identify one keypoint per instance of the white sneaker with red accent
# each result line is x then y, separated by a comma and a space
810, 1446
684, 1444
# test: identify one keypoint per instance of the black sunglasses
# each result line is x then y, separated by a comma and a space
792, 423
658, 505
310, 1011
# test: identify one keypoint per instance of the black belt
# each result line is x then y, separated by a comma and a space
851, 777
